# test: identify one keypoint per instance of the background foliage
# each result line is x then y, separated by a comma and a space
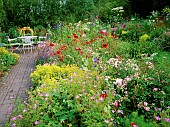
35, 12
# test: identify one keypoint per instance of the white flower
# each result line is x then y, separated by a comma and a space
120, 8
114, 9
121, 11
118, 82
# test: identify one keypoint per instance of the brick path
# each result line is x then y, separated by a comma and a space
15, 84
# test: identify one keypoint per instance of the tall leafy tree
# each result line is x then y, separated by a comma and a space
2, 15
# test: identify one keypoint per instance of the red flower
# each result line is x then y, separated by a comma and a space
61, 59
100, 36
81, 52
58, 53
75, 36
51, 44
87, 42
68, 36
92, 40
103, 95
103, 32
51, 54
132, 124
130, 28
105, 45
77, 48
87, 56
114, 36
62, 56
63, 48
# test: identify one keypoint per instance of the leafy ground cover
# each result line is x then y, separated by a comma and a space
7, 59
95, 74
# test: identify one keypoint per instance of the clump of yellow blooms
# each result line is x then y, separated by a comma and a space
52, 72
48, 77
124, 32
143, 38
3, 50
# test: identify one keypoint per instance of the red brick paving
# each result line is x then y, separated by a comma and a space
14, 85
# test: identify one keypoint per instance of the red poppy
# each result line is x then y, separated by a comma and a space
51, 44
63, 48
61, 59
132, 124
114, 36
77, 48
100, 36
58, 53
87, 42
75, 36
87, 56
62, 56
81, 53
103, 95
105, 45
92, 40
68, 36
84, 32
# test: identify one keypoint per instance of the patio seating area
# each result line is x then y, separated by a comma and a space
24, 43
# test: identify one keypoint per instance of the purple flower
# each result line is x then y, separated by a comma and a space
155, 89
13, 125
14, 118
147, 108
145, 103
24, 110
120, 111
36, 122
106, 121
167, 120
157, 118
113, 111
135, 125
114, 94
113, 29
95, 60
46, 95
159, 109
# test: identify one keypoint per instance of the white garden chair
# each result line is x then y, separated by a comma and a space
13, 44
28, 43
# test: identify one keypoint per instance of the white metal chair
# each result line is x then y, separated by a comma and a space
13, 44
27, 43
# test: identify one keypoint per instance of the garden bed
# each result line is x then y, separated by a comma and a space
91, 75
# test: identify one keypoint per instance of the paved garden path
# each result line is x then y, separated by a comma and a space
14, 85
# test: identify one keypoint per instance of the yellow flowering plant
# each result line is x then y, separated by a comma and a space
7, 59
